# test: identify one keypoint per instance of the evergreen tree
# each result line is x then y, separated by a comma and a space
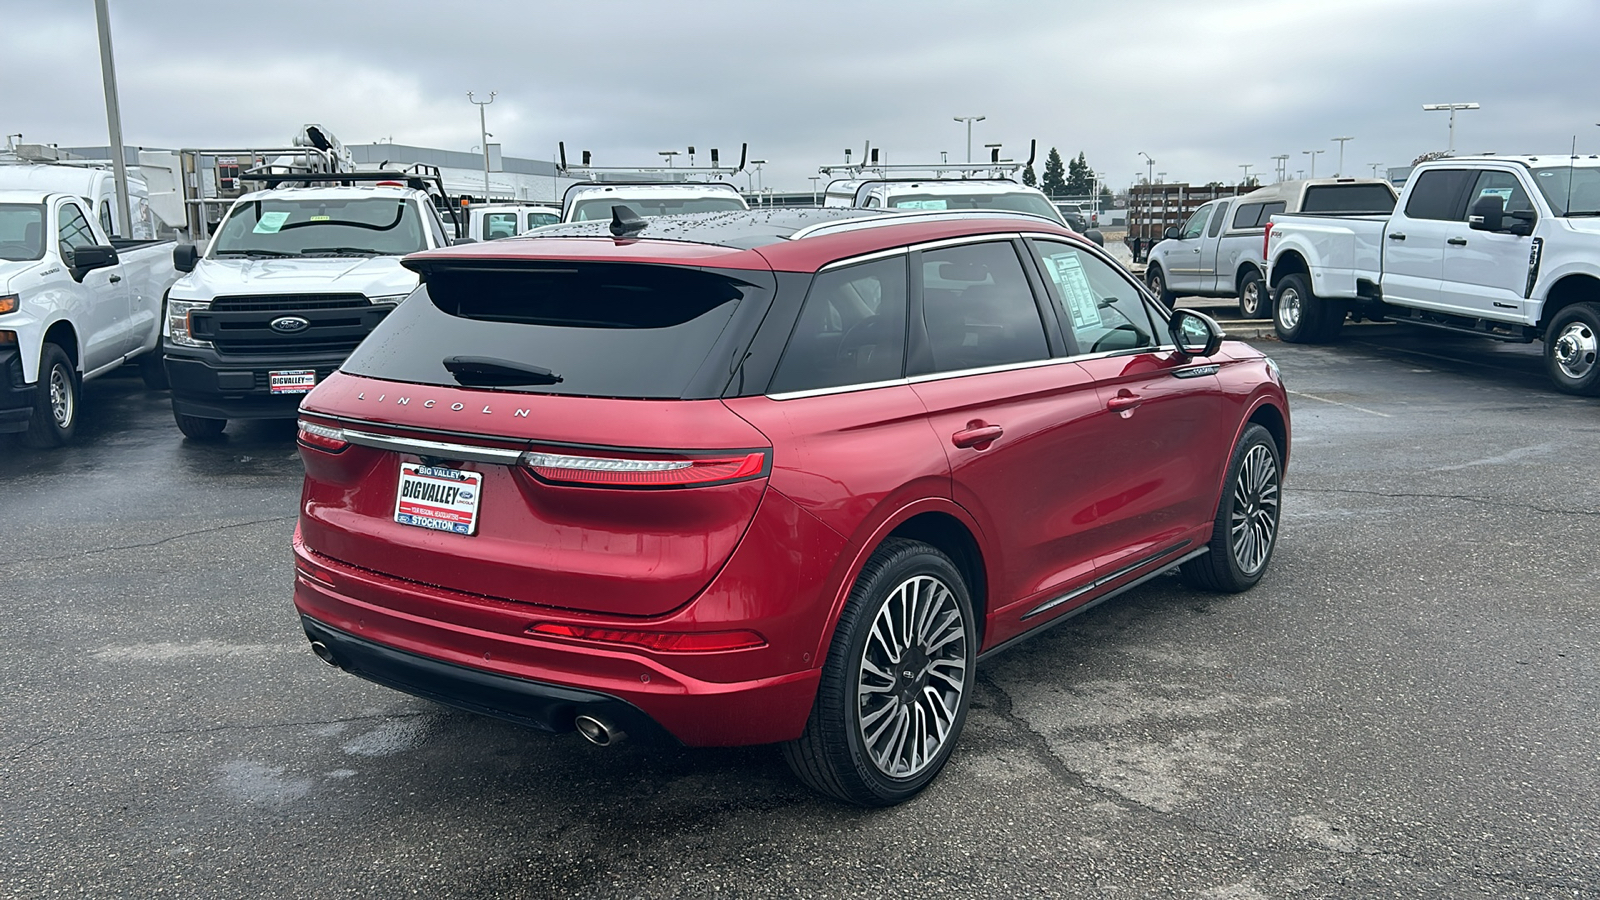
1054, 182
1028, 178
1080, 179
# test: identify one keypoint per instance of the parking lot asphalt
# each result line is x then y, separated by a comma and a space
1406, 706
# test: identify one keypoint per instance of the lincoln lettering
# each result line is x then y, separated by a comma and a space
428, 492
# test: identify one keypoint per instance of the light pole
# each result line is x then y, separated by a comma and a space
1149, 168
1341, 141
969, 120
1246, 167
1452, 107
1161, 177
483, 126
1375, 168
1313, 155
1283, 167
108, 72
814, 180
757, 164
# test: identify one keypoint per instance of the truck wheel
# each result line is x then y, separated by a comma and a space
897, 681
1246, 528
1297, 315
153, 369
55, 402
1571, 347
1254, 301
1157, 282
199, 427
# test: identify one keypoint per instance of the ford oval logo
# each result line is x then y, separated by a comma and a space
289, 325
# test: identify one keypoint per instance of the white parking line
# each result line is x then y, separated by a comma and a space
1371, 412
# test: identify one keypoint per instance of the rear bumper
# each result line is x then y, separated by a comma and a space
472, 659
16, 398
214, 387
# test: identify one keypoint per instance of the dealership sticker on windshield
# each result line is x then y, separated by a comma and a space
270, 222
292, 381
438, 498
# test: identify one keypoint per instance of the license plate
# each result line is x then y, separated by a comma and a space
437, 498
292, 381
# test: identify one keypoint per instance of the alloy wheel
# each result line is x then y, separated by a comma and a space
1254, 522
1575, 350
912, 675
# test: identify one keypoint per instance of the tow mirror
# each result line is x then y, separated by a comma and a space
1194, 334
185, 257
1170, 234
1488, 214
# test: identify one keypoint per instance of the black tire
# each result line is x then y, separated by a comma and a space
55, 401
1252, 494
1156, 280
1570, 344
1297, 314
837, 755
153, 369
1255, 301
198, 427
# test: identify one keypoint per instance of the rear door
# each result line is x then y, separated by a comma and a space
1486, 273
1183, 255
988, 363
1210, 277
1150, 456
1414, 243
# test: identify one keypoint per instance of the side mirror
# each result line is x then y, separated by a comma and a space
1094, 234
1194, 334
185, 257
463, 240
1488, 213
94, 256
1170, 234
1522, 221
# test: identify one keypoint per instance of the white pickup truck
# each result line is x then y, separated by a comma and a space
74, 304
1506, 247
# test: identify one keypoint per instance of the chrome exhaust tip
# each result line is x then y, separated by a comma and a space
324, 654
598, 732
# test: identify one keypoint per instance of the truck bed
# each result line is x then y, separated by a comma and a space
1338, 251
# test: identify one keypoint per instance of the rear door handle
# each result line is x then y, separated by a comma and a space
1457, 242
1397, 236
976, 434
1124, 402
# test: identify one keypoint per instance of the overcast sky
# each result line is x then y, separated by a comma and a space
1199, 86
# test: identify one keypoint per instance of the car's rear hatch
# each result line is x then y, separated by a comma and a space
447, 452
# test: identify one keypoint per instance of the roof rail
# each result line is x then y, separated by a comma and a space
898, 218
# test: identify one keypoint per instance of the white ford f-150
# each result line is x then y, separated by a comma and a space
1507, 247
74, 304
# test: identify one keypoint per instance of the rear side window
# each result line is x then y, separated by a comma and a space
979, 309
499, 225
1438, 195
603, 330
1216, 220
1103, 309
1257, 215
851, 330
1369, 199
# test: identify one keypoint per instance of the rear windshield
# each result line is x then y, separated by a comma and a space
599, 209
1369, 199
1027, 203
365, 226
603, 330
21, 231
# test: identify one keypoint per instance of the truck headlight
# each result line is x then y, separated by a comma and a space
176, 326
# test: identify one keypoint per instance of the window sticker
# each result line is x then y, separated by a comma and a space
270, 222
1069, 276
322, 218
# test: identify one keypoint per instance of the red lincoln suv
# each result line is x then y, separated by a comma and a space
769, 476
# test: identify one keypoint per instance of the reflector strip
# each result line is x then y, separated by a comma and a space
658, 641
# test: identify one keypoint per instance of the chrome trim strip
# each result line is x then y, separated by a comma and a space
839, 389
1104, 580
493, 455
839, 225
988, 370
864, 258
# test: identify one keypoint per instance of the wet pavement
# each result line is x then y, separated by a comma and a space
1406, 706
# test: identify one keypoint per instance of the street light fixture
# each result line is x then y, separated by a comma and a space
1313, 155
1149, 168
756, 164
969, 120
1452, 107
1283, 167
1246, 168
1341, 141
669, 154
1375, 167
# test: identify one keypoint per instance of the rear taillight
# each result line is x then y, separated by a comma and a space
322, 437
606, 471
1266, 237
658, 641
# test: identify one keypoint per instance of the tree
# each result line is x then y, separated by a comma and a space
1080, 178
1028, 178
1054, 183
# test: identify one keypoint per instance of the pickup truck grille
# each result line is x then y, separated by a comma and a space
288, 303
242, 326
